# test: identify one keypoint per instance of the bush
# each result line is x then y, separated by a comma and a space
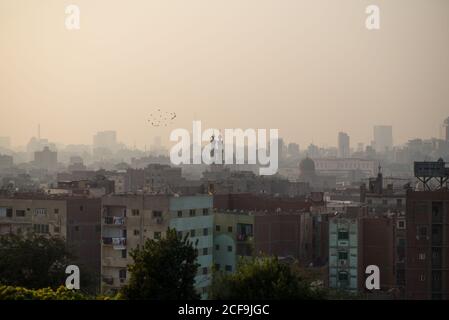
61, 293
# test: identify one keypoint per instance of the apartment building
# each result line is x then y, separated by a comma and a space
129, 220
355, 242
281, 226
73, 218
427, 249
233, 238
392, 201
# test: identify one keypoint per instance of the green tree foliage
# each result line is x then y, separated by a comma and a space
163, 270
263, 279
39, 261
20, 293
61, 293
33, 262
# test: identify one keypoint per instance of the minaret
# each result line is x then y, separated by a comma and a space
380, 180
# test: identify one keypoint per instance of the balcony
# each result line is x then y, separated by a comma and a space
244, 237
114, 221
119, 243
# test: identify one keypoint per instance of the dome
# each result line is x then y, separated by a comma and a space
307, 166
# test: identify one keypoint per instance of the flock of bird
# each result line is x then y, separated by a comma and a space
161, 118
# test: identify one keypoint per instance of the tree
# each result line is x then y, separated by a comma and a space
262, 278
163, 269
33, 262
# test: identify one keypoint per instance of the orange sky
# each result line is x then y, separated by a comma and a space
307, 67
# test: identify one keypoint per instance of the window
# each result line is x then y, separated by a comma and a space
122, 273
124, 253
157, 235
422, 256
343, 276
135, 212
422, 277
342, 255
422, 232
229, 248
230, 229
81, 208
343, 235
157, 214
217, 247
399, 202
205, 212
205, 231
192, 233
40, 211
401, 224
204, 270
228, 268
217, 227
56, 211
41, 228
77, 228
205, 252
20, 213
179, 214
192, 212
136, 232
56, 229
4, 212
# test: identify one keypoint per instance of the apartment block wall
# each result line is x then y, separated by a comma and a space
76, 220
233, 238
427, 248
198, 221
129, 220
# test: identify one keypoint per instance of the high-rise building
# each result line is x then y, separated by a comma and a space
293, 150
383, 138
46, 159
106, 140
343, 145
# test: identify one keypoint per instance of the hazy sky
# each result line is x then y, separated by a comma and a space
307, 67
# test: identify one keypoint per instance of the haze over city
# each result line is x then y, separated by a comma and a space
308, 68
179, 151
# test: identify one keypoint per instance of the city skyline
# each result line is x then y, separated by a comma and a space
354, 145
